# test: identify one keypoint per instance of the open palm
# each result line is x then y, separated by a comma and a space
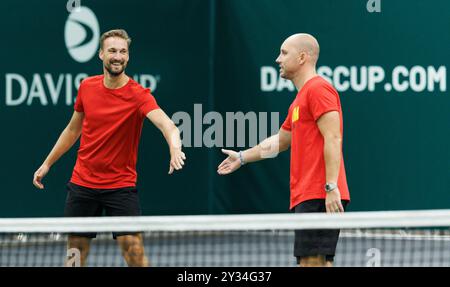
230, 164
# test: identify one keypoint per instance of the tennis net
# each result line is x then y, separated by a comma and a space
391, 238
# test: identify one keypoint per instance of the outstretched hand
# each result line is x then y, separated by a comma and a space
230, 164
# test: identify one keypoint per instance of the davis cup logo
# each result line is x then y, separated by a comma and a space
82, 34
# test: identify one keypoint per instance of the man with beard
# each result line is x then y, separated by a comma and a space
313, 130
109, 114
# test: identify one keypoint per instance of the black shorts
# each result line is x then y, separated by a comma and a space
319, 241
91, 202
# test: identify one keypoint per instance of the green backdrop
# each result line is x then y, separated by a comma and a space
217, 54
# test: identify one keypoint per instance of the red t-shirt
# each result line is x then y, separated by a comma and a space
308, 175
112, 125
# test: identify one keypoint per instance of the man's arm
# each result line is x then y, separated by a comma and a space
268, 148
65, 141
172, 136
330, 127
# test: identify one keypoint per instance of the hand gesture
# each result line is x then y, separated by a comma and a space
230, 164
177, 158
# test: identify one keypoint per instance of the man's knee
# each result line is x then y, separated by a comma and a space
133, 246
133, 250
81, 243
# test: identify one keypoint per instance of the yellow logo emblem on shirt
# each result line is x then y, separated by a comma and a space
295, 114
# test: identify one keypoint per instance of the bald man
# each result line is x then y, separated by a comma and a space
314, 131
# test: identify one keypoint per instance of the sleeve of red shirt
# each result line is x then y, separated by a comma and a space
322, 99
79, 101
148, 103
287, 122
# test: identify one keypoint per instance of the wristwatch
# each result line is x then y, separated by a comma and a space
330, 186
241, 158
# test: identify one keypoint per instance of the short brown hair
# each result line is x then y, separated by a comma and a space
120, 33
